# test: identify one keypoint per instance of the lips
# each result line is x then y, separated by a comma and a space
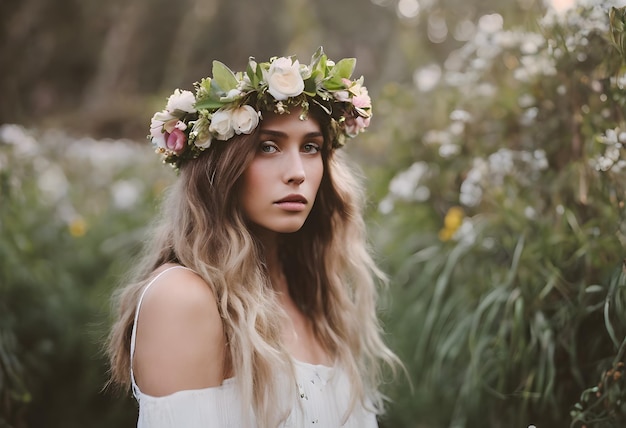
292, 199
292, 203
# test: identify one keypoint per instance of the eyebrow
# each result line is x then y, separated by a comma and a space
281, 134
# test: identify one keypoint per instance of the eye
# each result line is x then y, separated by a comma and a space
268, 147
311, 148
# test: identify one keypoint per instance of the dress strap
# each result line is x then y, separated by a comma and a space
133, 335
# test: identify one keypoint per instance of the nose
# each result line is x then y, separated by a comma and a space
294, 169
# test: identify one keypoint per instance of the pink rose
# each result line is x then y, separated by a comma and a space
356, 93
176, 141
354, 125
362, 100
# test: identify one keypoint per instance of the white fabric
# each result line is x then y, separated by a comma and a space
323, 398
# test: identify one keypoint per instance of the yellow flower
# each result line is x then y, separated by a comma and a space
78, 227
445, 234
451, 223
454, 218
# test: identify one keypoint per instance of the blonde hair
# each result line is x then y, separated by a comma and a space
331, 276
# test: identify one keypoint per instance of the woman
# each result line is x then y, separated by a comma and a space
254, 303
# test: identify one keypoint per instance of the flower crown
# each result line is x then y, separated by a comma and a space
231, 103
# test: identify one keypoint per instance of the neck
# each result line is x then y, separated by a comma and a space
269, 240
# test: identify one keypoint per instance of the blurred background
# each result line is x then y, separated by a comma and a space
495, 167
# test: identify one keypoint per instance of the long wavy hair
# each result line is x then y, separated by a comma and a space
330, 272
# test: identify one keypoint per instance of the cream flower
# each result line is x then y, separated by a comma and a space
158, 123
200, 134
181, 100
284, 79
221, 125
245, 119
204, 144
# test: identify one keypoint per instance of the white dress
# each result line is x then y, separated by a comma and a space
322, 400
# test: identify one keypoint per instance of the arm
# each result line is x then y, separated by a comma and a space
180, 341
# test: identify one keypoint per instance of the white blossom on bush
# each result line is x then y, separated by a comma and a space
611, 159
126, 193
406, 186
490, 173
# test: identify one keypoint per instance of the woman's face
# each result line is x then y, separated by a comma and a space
281, 182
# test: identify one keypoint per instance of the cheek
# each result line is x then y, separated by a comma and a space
252, 178
251, 186
317, 173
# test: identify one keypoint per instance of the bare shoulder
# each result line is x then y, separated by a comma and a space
180, 342
180, 287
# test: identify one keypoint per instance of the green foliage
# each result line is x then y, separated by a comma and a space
618, 29
604, 405
504, 317
69, 217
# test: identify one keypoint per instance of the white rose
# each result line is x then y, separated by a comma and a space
221, 125
157, 124
284, 79
245, 119
181, 100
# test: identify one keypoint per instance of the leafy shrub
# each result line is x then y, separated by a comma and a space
69, 217
505, 232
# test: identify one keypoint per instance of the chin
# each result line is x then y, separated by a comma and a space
288, 228
279, 224
284, 226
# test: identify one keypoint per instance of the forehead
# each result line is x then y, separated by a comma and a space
289, 122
